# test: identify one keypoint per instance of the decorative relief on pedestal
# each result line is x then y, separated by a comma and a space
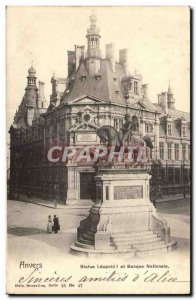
128, 192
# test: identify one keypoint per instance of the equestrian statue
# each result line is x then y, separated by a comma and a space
125, 137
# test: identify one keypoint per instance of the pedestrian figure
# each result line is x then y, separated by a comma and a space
49, 226
29, 194
56, 225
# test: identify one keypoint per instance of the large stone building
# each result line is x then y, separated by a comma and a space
98, 91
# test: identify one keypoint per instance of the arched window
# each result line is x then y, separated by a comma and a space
92, 41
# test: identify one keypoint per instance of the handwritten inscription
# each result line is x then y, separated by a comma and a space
114, 276
128, 192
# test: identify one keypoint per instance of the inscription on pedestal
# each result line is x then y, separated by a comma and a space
86, 137
128, 192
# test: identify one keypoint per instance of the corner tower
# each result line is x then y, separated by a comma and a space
33, 102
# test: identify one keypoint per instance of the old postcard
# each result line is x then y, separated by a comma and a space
98, 155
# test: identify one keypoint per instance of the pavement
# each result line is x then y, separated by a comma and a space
51, 204
29, 221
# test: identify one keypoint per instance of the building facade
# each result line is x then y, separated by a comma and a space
98, 91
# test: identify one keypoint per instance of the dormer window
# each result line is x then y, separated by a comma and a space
136, 87
184, 131
169, 129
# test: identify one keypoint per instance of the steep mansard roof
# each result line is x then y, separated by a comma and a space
106, 88
175, 114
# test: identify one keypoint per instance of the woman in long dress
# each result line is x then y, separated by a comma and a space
49, 226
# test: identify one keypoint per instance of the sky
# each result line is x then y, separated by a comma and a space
157, 38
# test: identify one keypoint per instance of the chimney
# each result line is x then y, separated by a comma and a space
41, 90
41, 102
123, 59
163, 101
145, 90
110, 54
71, 62
79, 54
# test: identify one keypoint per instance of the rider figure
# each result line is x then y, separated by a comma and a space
126, 129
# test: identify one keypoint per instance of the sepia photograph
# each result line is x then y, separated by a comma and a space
98, 135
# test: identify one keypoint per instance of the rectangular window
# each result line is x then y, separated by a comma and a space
183, 131
135, 87
176, 151
119, 124
169, 129
151, 128
161, 149
116, 124
169, 150
184, 151
146, 127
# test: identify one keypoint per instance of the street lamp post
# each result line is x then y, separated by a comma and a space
184, 183
55, 202
18, 175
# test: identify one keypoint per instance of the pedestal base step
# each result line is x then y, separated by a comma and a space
156, 250
138, 243
136, 240
78, 250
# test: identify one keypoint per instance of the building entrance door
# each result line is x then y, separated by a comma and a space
87, 186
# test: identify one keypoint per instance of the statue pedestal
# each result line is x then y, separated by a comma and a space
122, 219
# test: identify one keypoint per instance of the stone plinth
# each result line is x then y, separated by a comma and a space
123, 219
